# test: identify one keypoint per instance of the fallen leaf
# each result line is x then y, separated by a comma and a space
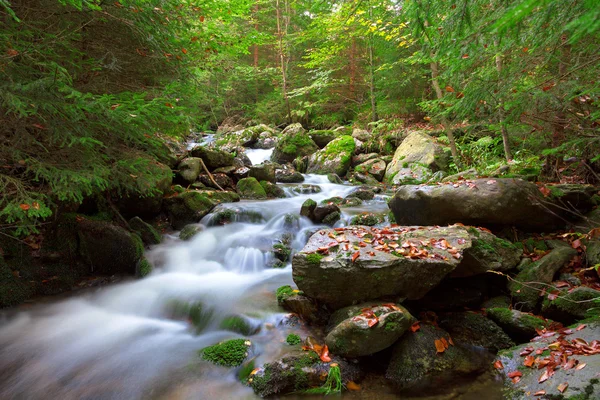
562, 387
325, 354
415, 327
449, 89
355, 256
515, 374
352, 386
580, 366
540, 393
528, 362
544, 377
498, 365
24, 207
580, 327
576, 244
439, 346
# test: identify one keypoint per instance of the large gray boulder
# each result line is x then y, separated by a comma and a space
417, 157
583, 383
263, 172
334, 158
361, 263
188, 170
212, 158
374, 167
367, 328
484, 202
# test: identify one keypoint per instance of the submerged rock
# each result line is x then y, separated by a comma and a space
367, 328
418, 366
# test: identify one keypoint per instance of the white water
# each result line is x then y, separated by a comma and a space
258, 156
122, 342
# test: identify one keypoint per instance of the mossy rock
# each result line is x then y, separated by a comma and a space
368, 219
475, 330
417, 367
188, 170
322, 137
308, 207
146, 231
519, 325
272, 190
230, 353
333, 200
189, 231
293, 339
294, 142
571, 306
334, 178
13, 289
187, 208
144, 268
109, 249
213, 158
334, 158
351, 202
219, 196
306, 189
496, 302
250, 188
362, 193
239, 324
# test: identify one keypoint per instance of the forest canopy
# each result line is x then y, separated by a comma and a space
91, 91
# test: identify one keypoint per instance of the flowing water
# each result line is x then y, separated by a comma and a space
124, 342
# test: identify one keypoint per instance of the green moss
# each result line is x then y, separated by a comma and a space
238, 324
246, 370
250, 188
483, 246
283, 293
314, 258
282, 252
293, 339
332, 218
474, 231
404, 165
335, 200
368, 219
189, 231
144, 268
293, 142
196, 201
230, 353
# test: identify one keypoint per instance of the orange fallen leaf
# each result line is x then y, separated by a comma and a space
24, 207
498, 365
439, 346
325, 354
415, 327
515, 374
529, 360
544, 377
580, 366
562, 387
540, 393
355, 256
352, 386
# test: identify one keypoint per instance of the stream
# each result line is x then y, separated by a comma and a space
122, 341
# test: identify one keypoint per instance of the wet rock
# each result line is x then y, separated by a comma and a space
375, 167
518, 325
334, 178
300, 163
488, 253
482, 202
188, 170
536, 276
263, 172
107, 248
306, 189
288, 175
362, 158
150, 203
334, 158
571, 305
417, 367
308, 207
250, 188
187, 208
375, 273
146, 231
476, 330
296, 372
228, 215
294, 143
356, 178
582, 383
416, 158
353, 334
189, 231
296, 302
454, 294
230, 170
368, 219
351, 202
213, 159
328, 214
240, 324
333, 200
468, 174
221, 196
272, 190
221, 179
362, 193
241, 173
496, 302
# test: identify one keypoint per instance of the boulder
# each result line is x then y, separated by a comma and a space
334, 158
367, 219
416, 366
481, 202
571, 305
298, 371
322, 137
250, 188
417, 156
188, 170
362, 158
367, 328
375, 167
583, 383
327, 214
377, 271
361, 134
296, 302
187, 208
146, 231
363, 193
213, 158
476, 330
536, 276
263, 172
468, 174
306, 189
294, 143
189, 231
219, 196
148, 203
334, 178
226, 215
108, 249
223, 180
272, 190
356, 178
520, 326
488, 253
288, 175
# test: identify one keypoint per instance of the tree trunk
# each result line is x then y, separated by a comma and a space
255, 53
374, 116
445, 123
282, 62
501, 114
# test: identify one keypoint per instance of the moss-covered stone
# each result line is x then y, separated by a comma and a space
282, 251
520, 326
187, 208
272, 190
283, 292
571, 306
146, 231
250, 188
230, 353
294, 142
334, 178
334, 158
189, 231
368, 219
332, 218
308, 207
476, 330
144, 268
333, 200
293, 339
239, 324
213, 158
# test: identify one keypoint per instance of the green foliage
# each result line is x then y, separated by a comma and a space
333, 383
230, 353
293, 339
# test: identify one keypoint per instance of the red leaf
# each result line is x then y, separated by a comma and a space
544, 377
184, 51
202, 18
449, 89
515, 374
12, 53
325, 354
563, 386
355, 256
498, 364
24, 207
580, 327
439, 346
576, 244
529, 360
415, 327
